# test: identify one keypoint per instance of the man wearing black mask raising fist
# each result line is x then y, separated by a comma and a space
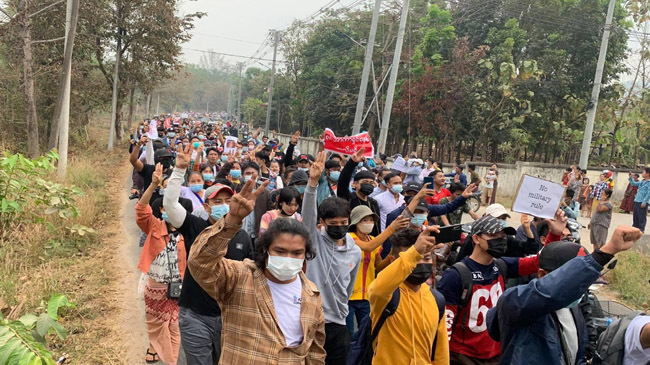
364, 184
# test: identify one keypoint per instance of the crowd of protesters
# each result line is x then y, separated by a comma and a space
254, 252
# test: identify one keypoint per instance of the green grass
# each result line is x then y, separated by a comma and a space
630, 278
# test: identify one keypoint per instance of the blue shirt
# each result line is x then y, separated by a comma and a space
462, 178
643, 194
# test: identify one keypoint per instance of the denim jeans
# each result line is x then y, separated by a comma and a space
358, 309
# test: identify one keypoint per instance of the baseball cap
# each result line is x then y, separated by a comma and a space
422, 205
162, 153
491, 225
496, 210
412, 186
556, 254
213, 190
361, 211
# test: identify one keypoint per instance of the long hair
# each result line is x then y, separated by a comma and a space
277, 227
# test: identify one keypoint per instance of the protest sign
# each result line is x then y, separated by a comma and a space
231, 145
348, 145
399, 165
538, 197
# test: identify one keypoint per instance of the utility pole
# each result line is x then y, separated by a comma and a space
383, 134
361, 100
116, 86
241, 66
276, 40
229, 107
158, 105
591, 112
148, 105
71, 16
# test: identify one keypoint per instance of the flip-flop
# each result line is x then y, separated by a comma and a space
154, 356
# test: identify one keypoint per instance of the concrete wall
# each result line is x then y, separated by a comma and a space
305, 145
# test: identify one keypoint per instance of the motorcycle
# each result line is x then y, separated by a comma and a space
574, 228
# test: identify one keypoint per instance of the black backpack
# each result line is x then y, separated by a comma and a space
467, 285
610, 348
361, 351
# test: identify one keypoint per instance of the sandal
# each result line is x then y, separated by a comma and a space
154, 356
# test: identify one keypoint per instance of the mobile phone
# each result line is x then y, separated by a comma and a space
428, 180
449, 233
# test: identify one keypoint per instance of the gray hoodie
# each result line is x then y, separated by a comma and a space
333, 270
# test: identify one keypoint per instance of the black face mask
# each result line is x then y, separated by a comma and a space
497, 247
165, 162
420, 274
336, 232
366, 189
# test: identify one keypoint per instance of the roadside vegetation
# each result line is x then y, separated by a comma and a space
630, 278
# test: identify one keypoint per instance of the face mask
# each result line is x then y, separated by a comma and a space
284, 268
305, 169
383, 182
244, 149
397, 189
219, 211
420, 274
171, 134
224, 158
196, 144
336, 232
366, 189
201, 137
575, 303
161, 191
165, 217
196, 187
418, 219
334, 175
504, 224
246, 178
235, 174
208, 177
497, 247
426, 165
166, 163
365, 228
300, 188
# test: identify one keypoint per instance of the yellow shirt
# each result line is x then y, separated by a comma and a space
366, 274
407, 336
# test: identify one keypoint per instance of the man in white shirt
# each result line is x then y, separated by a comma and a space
390, 199
637, 341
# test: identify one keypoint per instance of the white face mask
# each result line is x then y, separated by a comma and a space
284, 268
365, 228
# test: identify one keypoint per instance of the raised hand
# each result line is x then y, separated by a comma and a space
242, 204
623, 239
400, 223
558, 224
156, 178
469, 191
295, 137
183, 156
426, 243
143, 140
525, 220
316, 169
358, 156
426, 190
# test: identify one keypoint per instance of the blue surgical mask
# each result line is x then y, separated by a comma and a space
196, 187
208, 177
244, 149
300, 188
196, 144
426, 165
305, 169
246, 178
201, 137
397, 189
224, 158
383, 182
575, 303
334, 175
165, 217
503, 223
418, 219
219, 211
171, 134
235, 174
161, 191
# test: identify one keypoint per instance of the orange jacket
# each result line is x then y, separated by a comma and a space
157, 238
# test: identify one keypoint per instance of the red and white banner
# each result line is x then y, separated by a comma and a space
348, 145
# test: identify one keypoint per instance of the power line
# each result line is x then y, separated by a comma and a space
227, 38
230, 54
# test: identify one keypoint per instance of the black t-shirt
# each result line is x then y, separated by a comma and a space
147, 173
193, 296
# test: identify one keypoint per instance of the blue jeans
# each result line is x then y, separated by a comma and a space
640, 216
358, 309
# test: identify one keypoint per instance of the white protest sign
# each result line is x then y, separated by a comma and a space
231, 145
538, 197
399, 164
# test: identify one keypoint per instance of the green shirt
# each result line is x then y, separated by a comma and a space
473, 178
457, 215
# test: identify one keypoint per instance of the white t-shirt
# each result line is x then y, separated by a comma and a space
634, 353
286, 301
489, 179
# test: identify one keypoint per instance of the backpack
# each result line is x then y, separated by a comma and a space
467, 285
610, 348
361, 351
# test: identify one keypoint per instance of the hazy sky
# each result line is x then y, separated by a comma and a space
248, 21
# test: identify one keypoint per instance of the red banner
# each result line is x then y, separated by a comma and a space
348, 145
